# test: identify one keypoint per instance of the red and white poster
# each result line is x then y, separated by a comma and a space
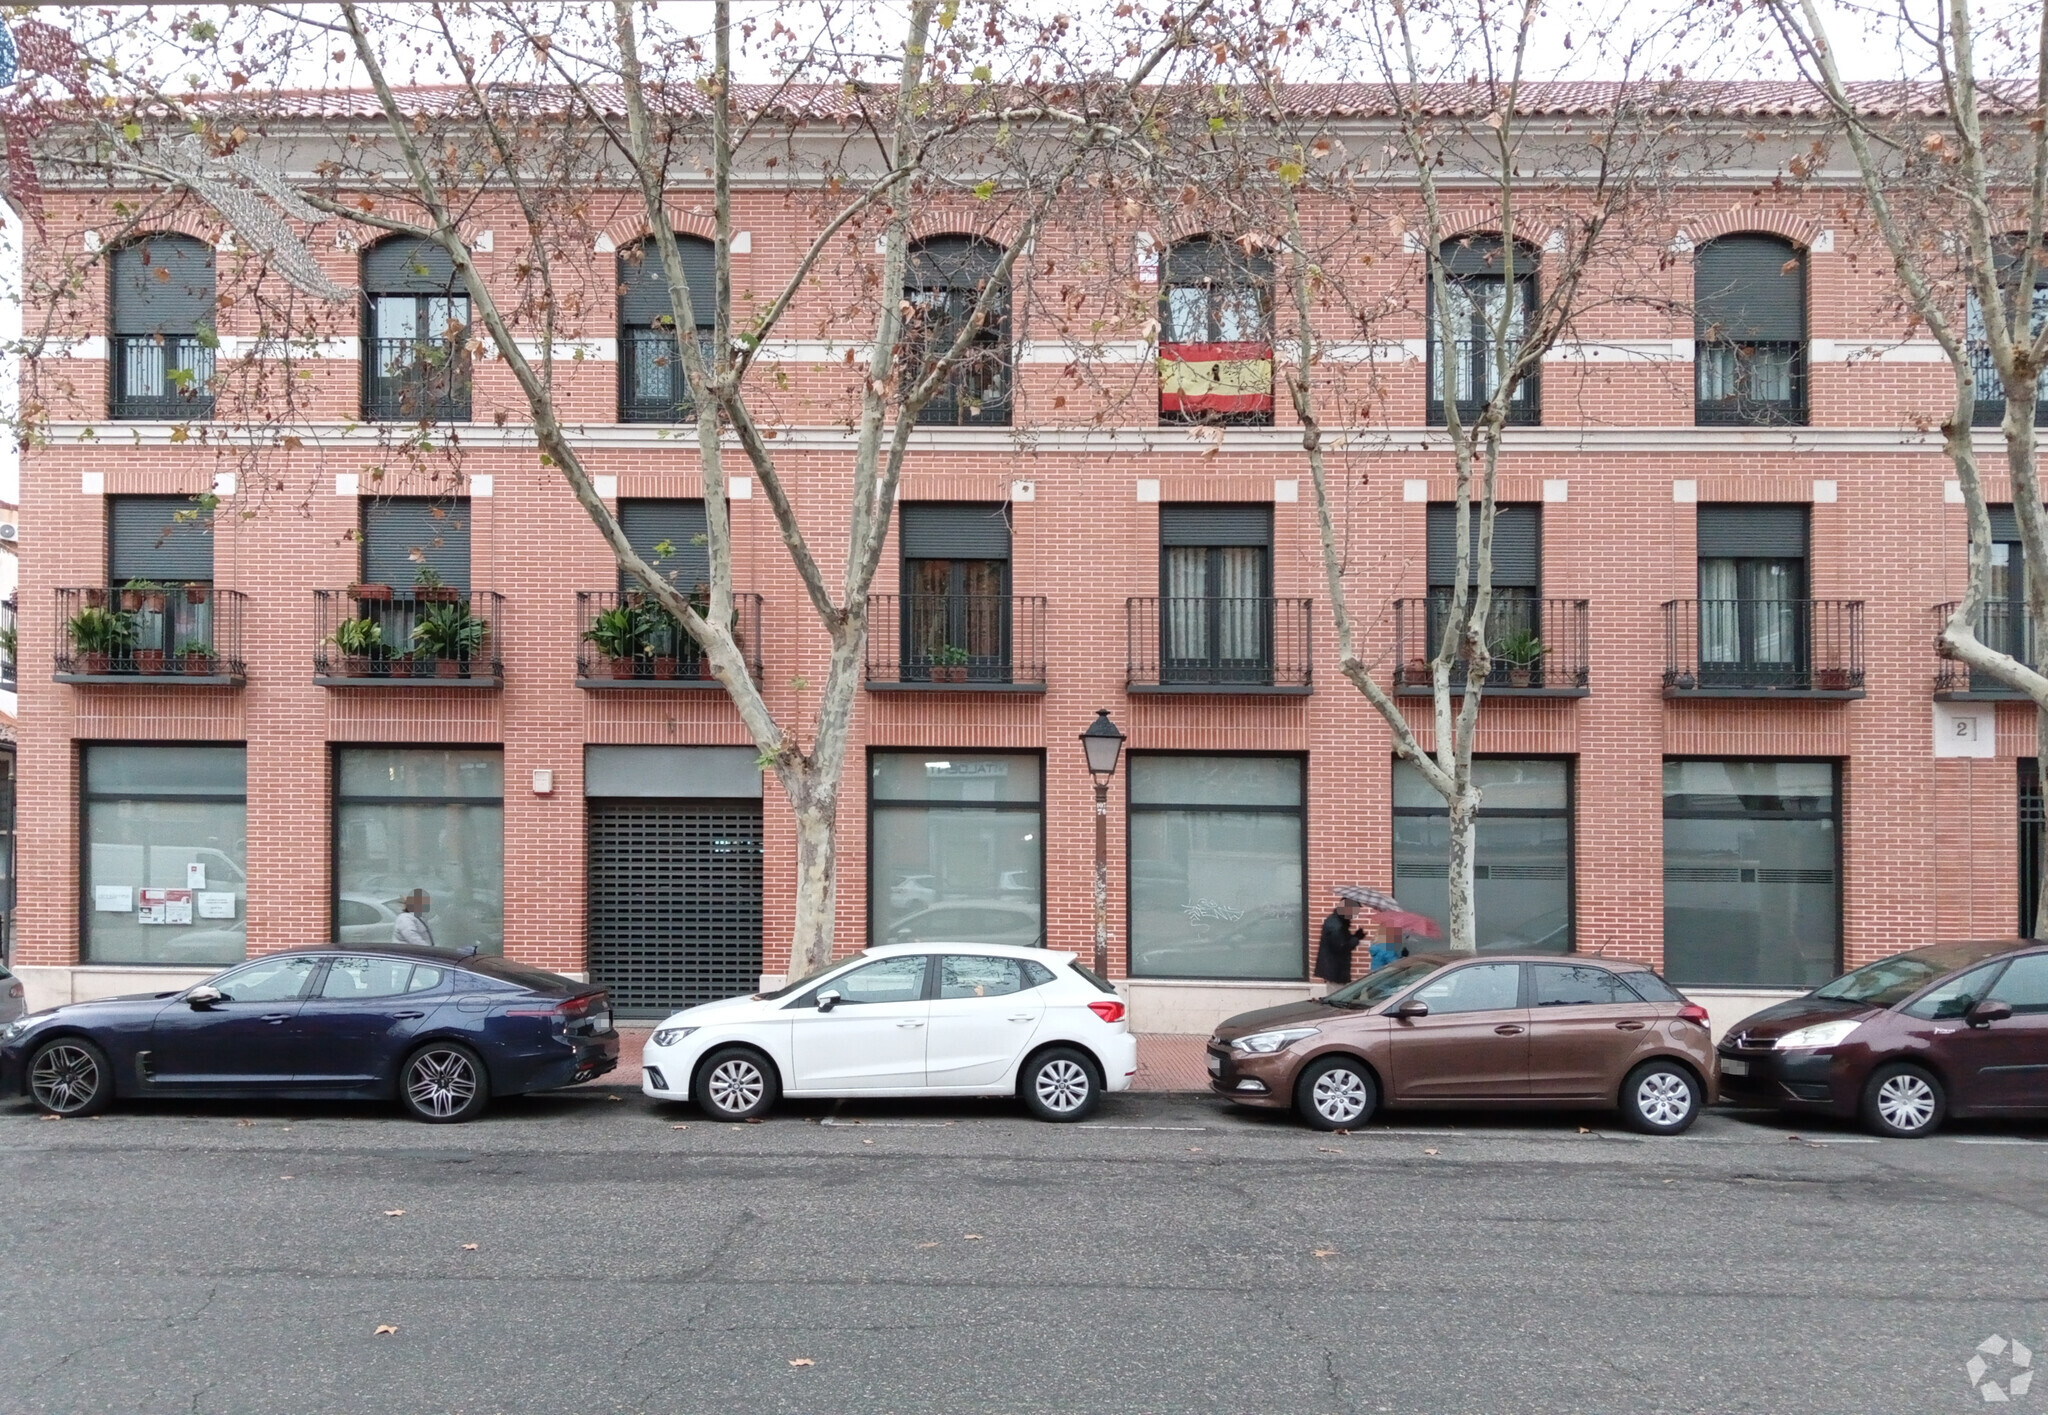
163, 906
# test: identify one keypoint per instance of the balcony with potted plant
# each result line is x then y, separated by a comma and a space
144, 632
1539, 647
627, 640
1806, 649
429, 636
976, 643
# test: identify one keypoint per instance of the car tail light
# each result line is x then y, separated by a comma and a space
16, 990
1108, 1011
1693, 1012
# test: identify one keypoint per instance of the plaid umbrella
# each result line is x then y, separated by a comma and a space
1366, 898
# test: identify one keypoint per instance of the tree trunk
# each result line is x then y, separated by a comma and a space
817, 847
1464, 934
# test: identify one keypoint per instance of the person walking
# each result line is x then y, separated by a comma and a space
411, 927
1341, 935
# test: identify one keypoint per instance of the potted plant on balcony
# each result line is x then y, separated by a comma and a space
198, 592
359, 640
143, 595
950, 665
97, 634
451, 635
658, 634
1522, 651
432, 589
615, 634
95, 598
369, 592
1831, 680
195, 657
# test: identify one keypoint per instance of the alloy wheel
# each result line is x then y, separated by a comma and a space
735, 1085
65, 1079
1062, 1085
1664, 1098
1339, 1095
440, 1083
1906, 1101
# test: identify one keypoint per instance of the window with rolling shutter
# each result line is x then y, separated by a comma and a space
672, 537
161, 302
1216, 334
1481, 315
1749, 324
1754, 621
942, 285
956, 590
652, 383
147, 540
405, 534
1517, 540
416, 352
2003, 623
1215, 593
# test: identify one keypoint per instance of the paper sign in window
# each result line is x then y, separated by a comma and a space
164, 906
215, 904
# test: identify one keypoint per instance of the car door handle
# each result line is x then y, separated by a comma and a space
1508, 1030
1628, 1026
275, 1017
909, 1022
413, 1015
1025, 1018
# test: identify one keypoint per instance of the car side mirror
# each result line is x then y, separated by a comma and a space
1413, 1007
1985, 1013
827, 1001
204, 997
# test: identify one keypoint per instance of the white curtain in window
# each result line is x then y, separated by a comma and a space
1767, 585
1241, 571
1187, 612
1720, 627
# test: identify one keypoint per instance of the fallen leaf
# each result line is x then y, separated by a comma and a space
615, 1098
284, 1176
1671, 1181
927, 1245
394, 1213
1328, 1150
1340, 1132
1585, 1130
59, 1117
469, 1247
1431, 1152
245, 1122
975, 1237
385, 1330
679, 1127
802, 1361
1322, 1252
1194, 1149
867, 1142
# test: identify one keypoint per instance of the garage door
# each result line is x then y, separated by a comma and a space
675, 901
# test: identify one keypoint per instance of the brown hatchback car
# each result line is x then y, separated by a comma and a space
1953, 1029
1440, 1030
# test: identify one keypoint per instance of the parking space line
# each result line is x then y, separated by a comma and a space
1994, 1140
886, 1124
1099, 1125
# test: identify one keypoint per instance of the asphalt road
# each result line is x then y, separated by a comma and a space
597, 1253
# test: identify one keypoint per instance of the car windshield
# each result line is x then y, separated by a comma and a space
806, 980
1890, 981
1375, 988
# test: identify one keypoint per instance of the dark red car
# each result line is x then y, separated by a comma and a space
1954, 1029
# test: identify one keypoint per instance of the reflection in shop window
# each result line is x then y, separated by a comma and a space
956, 850
1752, 896
1522, 860
1216, 882
166, 856
426, 823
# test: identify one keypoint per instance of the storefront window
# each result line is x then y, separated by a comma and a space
1522, 859
1216, 852
166, 856
1751, 891
956, 848
420, 823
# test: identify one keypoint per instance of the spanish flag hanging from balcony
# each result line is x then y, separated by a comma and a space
1215, 380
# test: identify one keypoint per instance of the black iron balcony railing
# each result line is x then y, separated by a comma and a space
373, 636
2003, 627
416, 380
629, 641
1752, 384
1474, 379
1762, 647
971, 641
160, 376
653, 386
975, 394
1206, 644
1990, 411
10, 644
187, 633
1538, 645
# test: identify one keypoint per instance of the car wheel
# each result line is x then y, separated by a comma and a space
1060, 1085
70, 1076
1336, 1093
443, 1083
1660, 1098
1904, 1101
735, 1084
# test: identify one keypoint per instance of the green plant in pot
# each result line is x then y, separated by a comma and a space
660, 638
98, 634
615, 634
195, 656
432, 589
360, 640
450, 635
949, 665
1522, 651
144, 595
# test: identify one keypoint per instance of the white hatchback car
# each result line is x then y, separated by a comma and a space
905, 1019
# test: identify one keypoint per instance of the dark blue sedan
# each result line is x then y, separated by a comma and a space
442, 1031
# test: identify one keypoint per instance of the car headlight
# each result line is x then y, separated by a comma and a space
1820, 1034
669, 1036
20, 1025
1265, 1043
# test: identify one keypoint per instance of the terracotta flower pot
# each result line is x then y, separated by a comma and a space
95, 599
155, 601
1831, 680
373, 593
150, 660
355, 665
197, 665
664, 668
1416, 671
956, 673
438, 594
448, 668
939, 673
198, 594
131, 600
622, 667
1519, 675
93, 664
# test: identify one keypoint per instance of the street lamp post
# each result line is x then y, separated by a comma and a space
1103, 745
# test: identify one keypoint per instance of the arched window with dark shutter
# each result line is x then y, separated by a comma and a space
1749, 318
1216, 334
652, 385
1990, 410
415, 334
1480, 317
942, 286
162, 304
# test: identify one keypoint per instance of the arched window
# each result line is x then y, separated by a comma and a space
1216, 334
1749, 324
652, 384
943, 283
1990, 411
1481, 317
162, 305
415, 334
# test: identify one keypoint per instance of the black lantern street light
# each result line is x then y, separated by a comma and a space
1103, 744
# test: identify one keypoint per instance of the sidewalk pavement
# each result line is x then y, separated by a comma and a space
1165, 1063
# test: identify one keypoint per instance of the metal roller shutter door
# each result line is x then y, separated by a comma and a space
675, 901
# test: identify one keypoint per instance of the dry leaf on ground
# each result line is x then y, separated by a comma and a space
469, 1247
1585, 1129
1432, 1152
802, 1361
385, 1330
971, 1235
1322, 1252
679, 1127
394, 1213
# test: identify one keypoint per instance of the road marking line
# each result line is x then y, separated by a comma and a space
886, 1124
1995, 1140
1835, 1139
1098, 1125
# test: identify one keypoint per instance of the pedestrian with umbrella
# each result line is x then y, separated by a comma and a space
1341, 934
